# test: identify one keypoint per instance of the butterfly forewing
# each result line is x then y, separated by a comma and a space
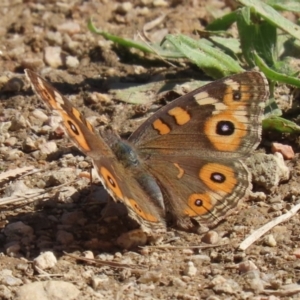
221, 119
111, 172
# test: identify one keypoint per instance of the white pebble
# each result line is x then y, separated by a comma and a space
40, 115
46, 260
99, 282
88, 254
48, 147
190, 269
269, 240
45, 290
72, 61
69, 27
52, 57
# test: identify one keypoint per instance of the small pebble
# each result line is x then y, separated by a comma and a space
48, 148
269, 240
150, 276
190, 269
33, 63
88, 254
72, 61
11, 141
247, 266
18, 122
29, 145
69, 27
253, 281
46, 260
286, 150
54, 37
40, 115
99, 282
124, 8
53, 57
46, 290
7, 278
211, 237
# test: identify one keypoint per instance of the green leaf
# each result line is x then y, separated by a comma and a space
279, 124
247, 34
272, 16
289, 5
273, 75
128, 43
261, 37
246, 13
123, 42
231, 44
266, 42
222, 23
213, 61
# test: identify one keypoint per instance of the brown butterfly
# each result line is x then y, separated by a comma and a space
186, 159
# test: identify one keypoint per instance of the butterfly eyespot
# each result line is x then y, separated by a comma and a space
198, 202
218, 177
73, 127
111, 181
225, 128
137, 208
237, 95
146, 216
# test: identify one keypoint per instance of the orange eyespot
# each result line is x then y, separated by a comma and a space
111, 183
146, 216
219, 178
198, 204
225, 131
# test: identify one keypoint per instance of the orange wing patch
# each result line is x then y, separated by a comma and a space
218, 178
199, 204
181, 116
161, 127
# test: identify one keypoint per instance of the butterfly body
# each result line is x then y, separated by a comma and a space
186, 159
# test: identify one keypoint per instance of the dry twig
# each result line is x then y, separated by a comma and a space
262, 230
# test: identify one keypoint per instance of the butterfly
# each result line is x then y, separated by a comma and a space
185, 160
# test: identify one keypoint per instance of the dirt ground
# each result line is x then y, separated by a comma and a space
65, 215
